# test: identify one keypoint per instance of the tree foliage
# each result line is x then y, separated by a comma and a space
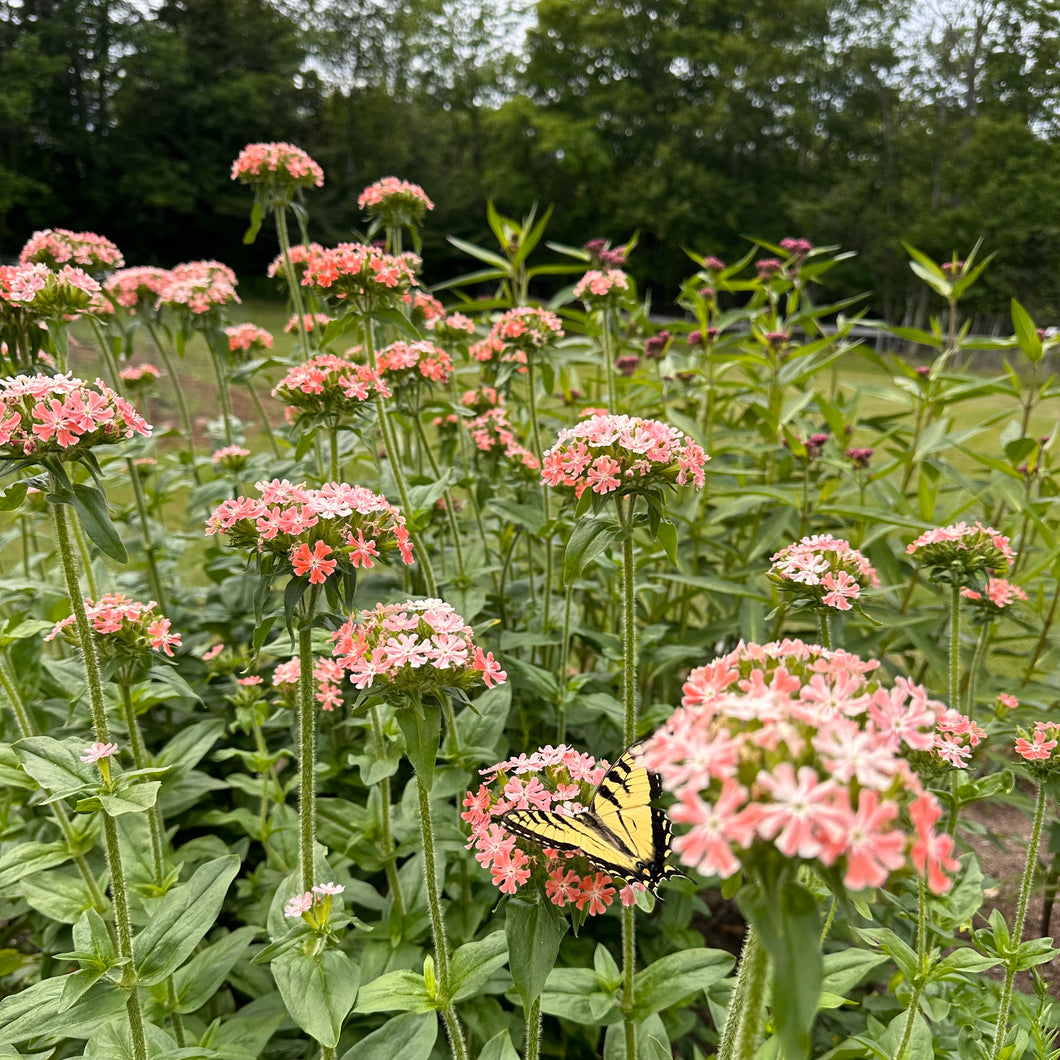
859, 122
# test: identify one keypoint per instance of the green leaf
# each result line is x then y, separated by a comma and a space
35, 1012
410, 1036
24, 859
499, 1047
1026, 332
675, 976
789, 928
56, 765
569, 993
422, 729
318, 989
667, 536
487, 256
535, 931
137, 798
181, 918
402, 990
13, 496
588, 539
198, 980
244, 1035
473, 964
653, 1043
91, 507
59, 895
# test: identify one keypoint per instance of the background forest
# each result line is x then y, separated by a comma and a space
855, 122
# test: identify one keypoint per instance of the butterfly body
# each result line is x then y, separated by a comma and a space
620, 832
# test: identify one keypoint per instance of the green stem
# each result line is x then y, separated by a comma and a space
977, 665
23, 525
533, 1030
223, 394
84, 632
263, 418
629, 627
609, 359
182, 401
153, 578
825, 629
292, 281
955, 645
441, 944
394, 454
387, 839
123, 925
307, 717
86, 560
447, 496
141, 760
1021, 917
744, 1019
116, 380
629, 968
561, 723
922, 967
333, 453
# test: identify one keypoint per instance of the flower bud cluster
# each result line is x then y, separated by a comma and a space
961, 553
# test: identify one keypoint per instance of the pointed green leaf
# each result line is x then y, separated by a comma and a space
91, 507
318, 989
410, 1036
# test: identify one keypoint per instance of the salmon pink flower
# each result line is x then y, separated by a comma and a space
553, 779
277, 166
313, 562
56, 247
822, 572
623, 455
395, 202
329, 386
405, 364
599, 287
137, 289
98, 751
420, 646
197, 288
961, 553
359, 275
793, 749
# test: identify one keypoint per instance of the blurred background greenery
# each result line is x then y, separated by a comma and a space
694, 122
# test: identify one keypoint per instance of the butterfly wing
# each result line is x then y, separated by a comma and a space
621, 831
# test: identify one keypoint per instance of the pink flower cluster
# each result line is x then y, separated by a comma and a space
405, 363
248, 339
125, 629
364, 274
328, 385
305, 905
956, 736
425, 308
793, 748
420, 645
56, 247
310, 322
42, 292
313, 532
61, 414
143, 374
557, 780
997, 594
391, 196
138, 287
298, 255
1037, 747
491, 431
230, 457
326, 673
276, 164
622, 454
452, 327
601, 286
958, 552
528, 328
198, 286
823, 571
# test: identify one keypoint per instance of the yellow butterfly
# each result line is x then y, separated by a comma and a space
621, 832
